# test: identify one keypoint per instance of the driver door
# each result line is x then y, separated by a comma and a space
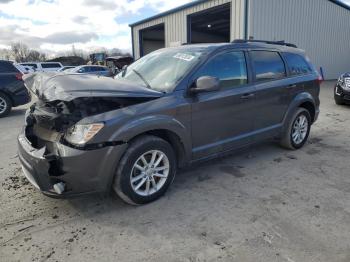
224, 119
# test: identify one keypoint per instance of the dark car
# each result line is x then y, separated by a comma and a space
91, 70
12, 90
169, 109
342, 90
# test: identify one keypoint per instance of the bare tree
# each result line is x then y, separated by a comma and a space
19, 51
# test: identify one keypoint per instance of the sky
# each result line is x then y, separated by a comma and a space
55, 26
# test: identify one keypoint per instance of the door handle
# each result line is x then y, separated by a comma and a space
292, 86
247, 96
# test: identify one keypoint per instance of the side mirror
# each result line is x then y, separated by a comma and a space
206, 84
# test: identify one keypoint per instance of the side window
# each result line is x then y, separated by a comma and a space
6, 67
51, 65
268, 65
230, 68
297, 64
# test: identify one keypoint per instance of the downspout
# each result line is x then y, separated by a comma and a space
132, 42
246, 20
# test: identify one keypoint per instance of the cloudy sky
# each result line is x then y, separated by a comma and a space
55, 25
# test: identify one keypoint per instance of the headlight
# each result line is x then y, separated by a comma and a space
344, 82
81, 134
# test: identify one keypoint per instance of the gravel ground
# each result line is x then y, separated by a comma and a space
264, 204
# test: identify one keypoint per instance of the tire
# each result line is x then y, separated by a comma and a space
5, 105
287, 140
144, 146
338, 100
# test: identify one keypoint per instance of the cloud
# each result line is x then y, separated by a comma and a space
56, 25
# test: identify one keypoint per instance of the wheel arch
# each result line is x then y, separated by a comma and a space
303, 100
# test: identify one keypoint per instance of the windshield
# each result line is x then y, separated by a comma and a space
161, 70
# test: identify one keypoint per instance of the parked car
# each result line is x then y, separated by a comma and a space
171, 108
91, 70
12, 90
44, 66
24, 69
342, 89
65, 68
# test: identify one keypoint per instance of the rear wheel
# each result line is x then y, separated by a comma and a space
146, 170
5, 105
298, 130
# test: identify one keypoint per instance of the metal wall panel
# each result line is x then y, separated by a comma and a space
320, 27
176, 23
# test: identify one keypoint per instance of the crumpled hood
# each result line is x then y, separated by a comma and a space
67, 87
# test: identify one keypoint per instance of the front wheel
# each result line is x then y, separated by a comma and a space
298, 130
146, 170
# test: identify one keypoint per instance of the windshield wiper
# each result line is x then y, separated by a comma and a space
142, 78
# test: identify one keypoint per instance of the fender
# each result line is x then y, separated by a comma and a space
142, 125
296, 102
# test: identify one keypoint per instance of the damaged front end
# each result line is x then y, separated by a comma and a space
58, 154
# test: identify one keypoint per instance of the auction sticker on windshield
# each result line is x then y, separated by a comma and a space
183, 56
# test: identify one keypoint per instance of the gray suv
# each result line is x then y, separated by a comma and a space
169, 109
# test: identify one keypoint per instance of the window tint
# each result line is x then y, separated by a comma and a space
268, 65
230, 68
297, 64
51, 65
7, 67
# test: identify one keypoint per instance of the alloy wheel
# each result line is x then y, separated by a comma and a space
300, 129
3, 105
149, 173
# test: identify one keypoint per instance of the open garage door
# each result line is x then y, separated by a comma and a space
210, 26
151, 39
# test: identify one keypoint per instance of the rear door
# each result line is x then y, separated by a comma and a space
272, 91
223, 120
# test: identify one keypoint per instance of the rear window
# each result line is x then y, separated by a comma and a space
297, 64
7, 67
51, 65
268, 65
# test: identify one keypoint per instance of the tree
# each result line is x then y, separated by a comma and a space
19, 52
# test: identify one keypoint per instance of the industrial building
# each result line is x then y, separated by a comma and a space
321, 27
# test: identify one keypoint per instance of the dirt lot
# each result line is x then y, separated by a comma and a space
265, 204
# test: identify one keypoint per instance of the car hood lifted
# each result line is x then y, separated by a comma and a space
64, 100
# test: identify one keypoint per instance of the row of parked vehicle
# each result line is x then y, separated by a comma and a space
13, 93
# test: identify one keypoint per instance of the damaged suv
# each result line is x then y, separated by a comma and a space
171, 108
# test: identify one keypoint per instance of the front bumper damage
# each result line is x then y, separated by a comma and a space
81, 171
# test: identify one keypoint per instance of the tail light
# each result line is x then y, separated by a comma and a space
319, 80
19, 76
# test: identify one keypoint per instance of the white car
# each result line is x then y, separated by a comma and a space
44, 66
24, 69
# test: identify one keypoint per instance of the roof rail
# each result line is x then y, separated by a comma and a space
282, 42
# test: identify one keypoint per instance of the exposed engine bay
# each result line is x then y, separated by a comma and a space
64, 100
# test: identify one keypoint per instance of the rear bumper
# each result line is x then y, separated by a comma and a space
82, 172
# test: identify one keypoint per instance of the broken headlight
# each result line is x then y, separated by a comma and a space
81, 134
